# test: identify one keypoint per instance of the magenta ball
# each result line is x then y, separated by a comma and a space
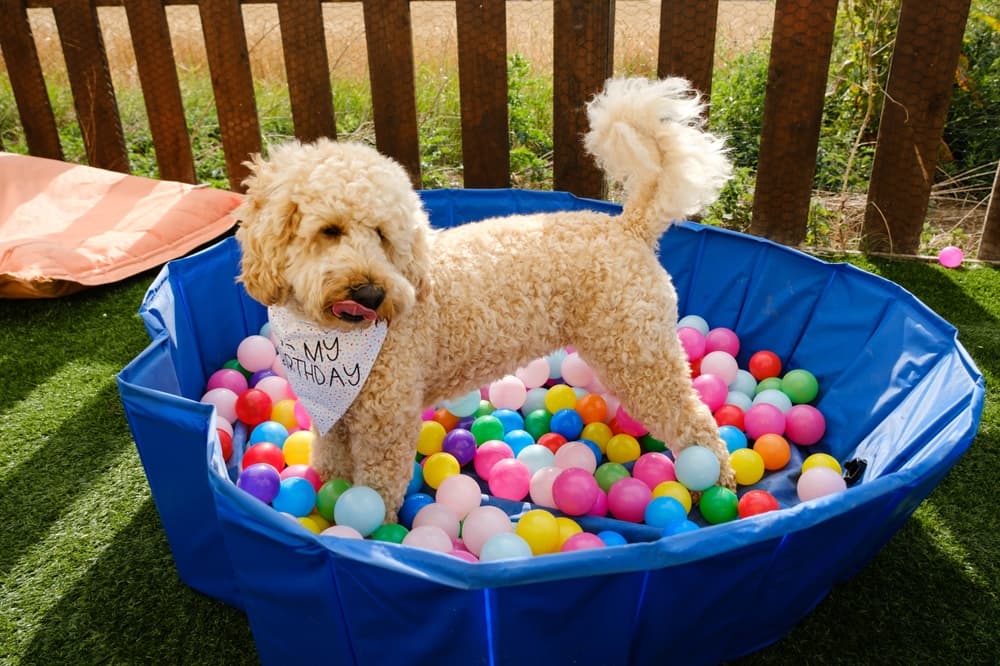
256, 353
819, 481
304, 471
600, 508
582, 541
762, 419
302, 417
540, 489
234, 380
804, 425
508, 393
463, 555
488, 454
460, 493
712, 389
692, 341
510, 479
628, 424
574, 491
628, 498
951, 257
482, 523
653, 468
722, 339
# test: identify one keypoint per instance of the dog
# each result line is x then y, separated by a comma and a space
334, 234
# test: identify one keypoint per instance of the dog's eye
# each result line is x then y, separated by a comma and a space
332, 231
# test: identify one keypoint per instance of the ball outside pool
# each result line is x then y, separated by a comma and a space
296, 496
821, 460
438, 467
674, 489
764, 364
509, 479
439, 515
800, 386
951, 256
460, 493
819, 482
697, 468
360, 507
482, 523
692, 341
268, 431
328, 494
577, 454
661, 511
654, 468
507, 393
431, 438
804, 425
460, 443
748, 466
504, 546
762, 419
628, 498
488, 427
297, 447
774, 451
390, 533
718, 505
255, 352
540, 530
574, 491
412, 504
582, 541
607, 474
540, 486
229, 379
536, 456
755, 502
260, 480
429, 537
566, 422
265, 452
734, 437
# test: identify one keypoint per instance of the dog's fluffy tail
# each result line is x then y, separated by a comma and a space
650, 136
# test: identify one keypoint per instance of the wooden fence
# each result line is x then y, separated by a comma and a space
926, 52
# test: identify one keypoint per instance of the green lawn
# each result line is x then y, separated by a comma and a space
86, 575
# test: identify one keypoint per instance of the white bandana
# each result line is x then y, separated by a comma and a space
326, 367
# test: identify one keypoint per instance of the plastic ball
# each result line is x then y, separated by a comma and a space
536, 456
535, 400
653, 469
509, 479
559, 397
733, 437
652, 444
234, 364
566, 422
429, 537
328, 494
229, 379
540, 530
764, 364
804, 425
540, 487
574, 491
304, 471
439, 515
510, 419
276, 387
676, 490
255, 352
416, 481
598, 433
537, 422
302, 418
460, 443
518, 439
508, 393
553, 441
821, 460
612, 538
628, 498
623, 448
628, 424
438, 467
482, 523
951, 256
692, 341
729, 415
762, 419
224, 401
225, 443
268, 431
265, 452
342, 531
818, 482
582, 541
576, 455
575, 371
412, 504
718, 505
739, 399
431, 438
600, 508
222, 424
768, 383
297, 447
744, 383
283, 412
567, 528
694, 321
390, 533
774, 451
722, 339
447, 420
773, 397
697, 468
296, 496
607, 474
488, 427
555, 360
360, 507
800, 386
260, 480
720, 363
712, 390
680, 528
487, 455
755, 502
460, 493
504, 546
748, 466
464, 405
535, 374
592, 408
661, 511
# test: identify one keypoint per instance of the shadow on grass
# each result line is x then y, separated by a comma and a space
131, 608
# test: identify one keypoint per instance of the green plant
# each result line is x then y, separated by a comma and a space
738, 105
529, 104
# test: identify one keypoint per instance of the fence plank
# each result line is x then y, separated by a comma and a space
389, 37
90, 81
232, 84
687, 41
154, 59
928, 42
28, 82
793, 111
304, 46
989, 246
482, 74
583, 44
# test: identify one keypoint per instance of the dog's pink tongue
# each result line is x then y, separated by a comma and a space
353, 308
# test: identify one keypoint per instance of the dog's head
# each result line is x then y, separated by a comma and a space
335, 231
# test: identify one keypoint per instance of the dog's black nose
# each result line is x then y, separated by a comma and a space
368, 295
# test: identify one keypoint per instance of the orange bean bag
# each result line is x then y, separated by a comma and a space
64, 227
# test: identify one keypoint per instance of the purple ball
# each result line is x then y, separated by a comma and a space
460, 443
260, 480
259, 375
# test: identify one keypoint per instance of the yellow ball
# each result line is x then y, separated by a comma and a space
438, 467
298, 447
311, 524
623, 448
748, 465
319, 520
821, 460
598, 433
674, 489
431, 437
283, 412
540, 529
567, 528
559, 397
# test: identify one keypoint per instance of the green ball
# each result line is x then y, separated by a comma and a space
485, 407
650, 443
800, 385
769, 383
391, 532
537, 422
718, 505
233, 364
328, 495
487, 427
608, 473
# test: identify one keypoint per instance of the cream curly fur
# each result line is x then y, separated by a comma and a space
471, 304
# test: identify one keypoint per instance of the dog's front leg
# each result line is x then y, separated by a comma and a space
331, 456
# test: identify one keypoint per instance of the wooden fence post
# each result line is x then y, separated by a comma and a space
687, 41
303, 45
989, 245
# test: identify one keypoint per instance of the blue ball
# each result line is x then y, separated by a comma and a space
296, 496
695, 322
411, 506
612, 538
697, 468
268, 431
733, 437
463, 405
518, 439
417, 482
680, 528
567, 422
510, 418
360, 507
741, 400
773, 397
663, 511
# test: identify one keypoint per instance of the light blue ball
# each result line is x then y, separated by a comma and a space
663, 511
555, 360
741, 400
296, 496
744, 383
465, 405
612, 538
360, 507
733, 437
773, 397
694, 321
535, 400
697, 468
680, 528
536, 456
510, 418
504, 546
268, 431
518, 439
417, 482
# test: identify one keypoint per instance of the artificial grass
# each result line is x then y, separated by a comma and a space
86, 574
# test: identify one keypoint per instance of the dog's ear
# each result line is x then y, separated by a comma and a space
419, 269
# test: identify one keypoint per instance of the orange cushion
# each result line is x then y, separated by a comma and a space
65, 226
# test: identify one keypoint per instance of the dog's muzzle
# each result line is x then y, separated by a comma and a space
361, 305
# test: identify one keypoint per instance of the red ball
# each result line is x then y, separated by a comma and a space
764, 364
226, 440
729, 415
552, 441
253, 406
695, 368
264, 452
756, 501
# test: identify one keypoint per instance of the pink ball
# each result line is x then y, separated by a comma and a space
304, 471
612, 401
712, 390
653, 468
510, 479
277, 368
482, 523
600, 508
277, 387
541, 486
762, 419
951, 257
342, 531
629, 425
234, 380
534, 374
576, 454
463, 555
693, 342
508, 393
582, 541
440, 516
460, 493
429, 537
256, 353
575, 371
574, 491
224, 401
720, 363
302, 417
722, 339
488, 454
819, 481
804, 425
628, 498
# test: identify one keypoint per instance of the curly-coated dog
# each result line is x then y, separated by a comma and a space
334, 233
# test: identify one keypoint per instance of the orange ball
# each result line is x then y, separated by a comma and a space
774, 449
592, 408
446, 418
